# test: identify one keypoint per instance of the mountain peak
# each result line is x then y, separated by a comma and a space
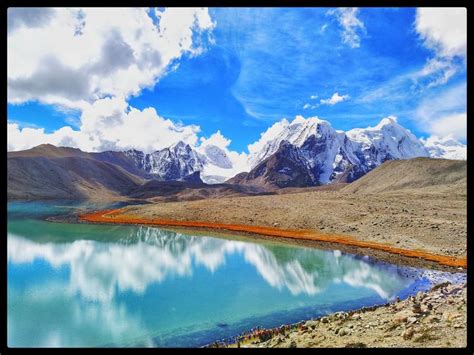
307, 121
387, 121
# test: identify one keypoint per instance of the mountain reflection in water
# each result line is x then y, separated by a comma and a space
149, 255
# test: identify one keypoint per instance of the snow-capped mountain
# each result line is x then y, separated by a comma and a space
324, 155
217, 165
387, 140
173, 163
331, 155
181, 160
446, 148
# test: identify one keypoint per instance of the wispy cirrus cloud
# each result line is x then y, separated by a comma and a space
352, 26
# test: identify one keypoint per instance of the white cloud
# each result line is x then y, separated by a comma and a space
347, 18
444, 31
454, 125
73, 57
109, 124
313, 97
267, 136
334, 99
444, 114
445, 147
216, 139
238, 161
93, 59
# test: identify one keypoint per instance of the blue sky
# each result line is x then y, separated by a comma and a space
260, 65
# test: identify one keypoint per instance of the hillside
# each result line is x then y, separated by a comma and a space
70, 177
421, 174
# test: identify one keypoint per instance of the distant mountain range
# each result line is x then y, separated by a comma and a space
304, 152
311, 152
49, 172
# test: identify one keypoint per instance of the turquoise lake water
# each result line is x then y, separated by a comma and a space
79, 285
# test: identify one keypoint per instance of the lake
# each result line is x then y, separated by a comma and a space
80, 285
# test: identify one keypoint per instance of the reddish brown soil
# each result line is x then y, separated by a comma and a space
116, 216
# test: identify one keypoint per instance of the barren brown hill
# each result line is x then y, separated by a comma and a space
69, 177
51, 151
419, 174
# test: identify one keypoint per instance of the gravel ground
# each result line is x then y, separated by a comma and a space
436, 223
436, 318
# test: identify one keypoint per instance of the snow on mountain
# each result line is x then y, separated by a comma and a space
179, 161
173, 163
446, 148
332, 155
219, 163
325, 155
327, 152
387, 140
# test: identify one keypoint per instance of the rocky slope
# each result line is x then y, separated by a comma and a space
436, 318
284, 168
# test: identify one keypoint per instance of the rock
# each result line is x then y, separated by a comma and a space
292, 344
450, 316
356, 316
408, 333
433, 319
416, 308
343, 331
401, 317
411, 320
325, 320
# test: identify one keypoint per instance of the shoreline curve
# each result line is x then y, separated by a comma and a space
115, 216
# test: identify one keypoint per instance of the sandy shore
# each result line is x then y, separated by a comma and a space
431, 227
436, 318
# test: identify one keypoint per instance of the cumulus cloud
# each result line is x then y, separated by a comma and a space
454, 125
444, 31
93, 60
109, 124
73, 57
351, 25
216, 139
334, 99
28, 16
444, 114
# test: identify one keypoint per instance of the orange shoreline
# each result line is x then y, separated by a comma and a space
113, 216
